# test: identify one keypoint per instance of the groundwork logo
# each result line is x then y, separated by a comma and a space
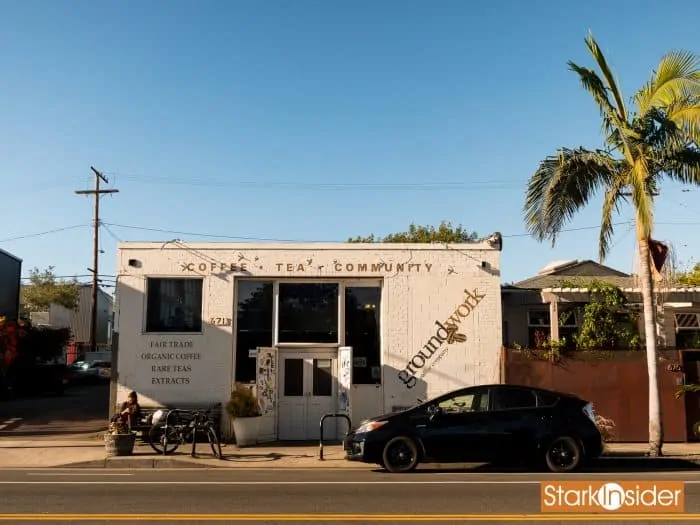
642, 497
446, 333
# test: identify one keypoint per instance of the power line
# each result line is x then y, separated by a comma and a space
241, 184
47, 232
110, 232
267, 239
231, 237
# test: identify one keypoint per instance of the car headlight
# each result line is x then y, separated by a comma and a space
369, 426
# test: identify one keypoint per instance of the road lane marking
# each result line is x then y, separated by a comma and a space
366, 518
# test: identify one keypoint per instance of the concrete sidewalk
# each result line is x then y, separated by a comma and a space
90, 453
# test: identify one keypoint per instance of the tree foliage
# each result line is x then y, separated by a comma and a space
690, 277
444, 233
41, 344
606, 323
45, 289
22, 344
656, 138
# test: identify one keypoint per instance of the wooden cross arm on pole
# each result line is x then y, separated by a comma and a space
95, 192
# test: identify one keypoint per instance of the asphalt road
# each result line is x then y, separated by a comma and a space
82, 409
300, 496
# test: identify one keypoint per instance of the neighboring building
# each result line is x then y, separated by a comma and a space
80, 320
10, 279
357, 327
531, 306
618, 388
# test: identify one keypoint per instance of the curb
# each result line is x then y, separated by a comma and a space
132, 463
607, 463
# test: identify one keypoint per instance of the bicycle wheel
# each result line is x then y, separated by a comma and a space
157, 439
214, 443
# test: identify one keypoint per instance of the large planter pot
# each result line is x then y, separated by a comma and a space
246, 430
119, 444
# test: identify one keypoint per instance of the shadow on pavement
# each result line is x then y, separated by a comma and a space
259, 458
42, 446
48, 431
82, 409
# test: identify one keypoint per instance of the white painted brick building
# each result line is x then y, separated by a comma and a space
421, 319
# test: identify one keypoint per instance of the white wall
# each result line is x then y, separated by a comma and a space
423, 284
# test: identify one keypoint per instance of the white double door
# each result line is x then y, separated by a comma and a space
307, 391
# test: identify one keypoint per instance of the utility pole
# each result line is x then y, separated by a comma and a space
97, 192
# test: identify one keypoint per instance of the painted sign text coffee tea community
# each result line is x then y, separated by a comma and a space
445, 332
351, 268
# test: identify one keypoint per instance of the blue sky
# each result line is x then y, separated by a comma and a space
276, 120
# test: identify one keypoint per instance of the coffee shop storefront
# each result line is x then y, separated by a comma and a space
314, 328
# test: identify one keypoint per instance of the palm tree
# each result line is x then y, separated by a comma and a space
655, 139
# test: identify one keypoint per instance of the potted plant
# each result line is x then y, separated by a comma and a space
245, 414
119, 440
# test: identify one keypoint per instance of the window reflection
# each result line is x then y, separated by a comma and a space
174, 305
362, 332
253, 324
308, 313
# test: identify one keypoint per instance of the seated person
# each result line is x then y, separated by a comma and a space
130, 411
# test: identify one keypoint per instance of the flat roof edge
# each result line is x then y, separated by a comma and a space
12, 256
136, 245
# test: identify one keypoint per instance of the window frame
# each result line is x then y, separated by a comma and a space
537, 312
202, 305
234, 320
366, 283
470, 390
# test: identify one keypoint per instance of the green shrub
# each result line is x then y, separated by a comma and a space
242, 403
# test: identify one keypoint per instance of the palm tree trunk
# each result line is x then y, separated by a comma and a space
656, 431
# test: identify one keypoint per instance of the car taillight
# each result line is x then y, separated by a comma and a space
588, 410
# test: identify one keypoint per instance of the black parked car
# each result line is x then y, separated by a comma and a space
489, 423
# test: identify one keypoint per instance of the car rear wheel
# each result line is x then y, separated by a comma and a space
400, 455
564, 454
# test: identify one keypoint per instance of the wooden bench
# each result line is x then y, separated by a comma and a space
145, 422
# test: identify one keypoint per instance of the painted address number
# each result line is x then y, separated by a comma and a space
674, 367
220, 321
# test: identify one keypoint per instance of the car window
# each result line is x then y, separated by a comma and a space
547, 399
513, 398
464, 403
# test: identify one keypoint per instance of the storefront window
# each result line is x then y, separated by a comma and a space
254, 300
308, 313
174, 305
362, 332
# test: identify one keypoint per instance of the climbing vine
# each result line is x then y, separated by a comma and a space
606, 322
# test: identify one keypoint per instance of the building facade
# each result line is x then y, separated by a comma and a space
80, 320
314, 328
10, 279
533, 308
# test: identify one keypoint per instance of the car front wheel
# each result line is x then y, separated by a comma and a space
400, 455
563, 454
